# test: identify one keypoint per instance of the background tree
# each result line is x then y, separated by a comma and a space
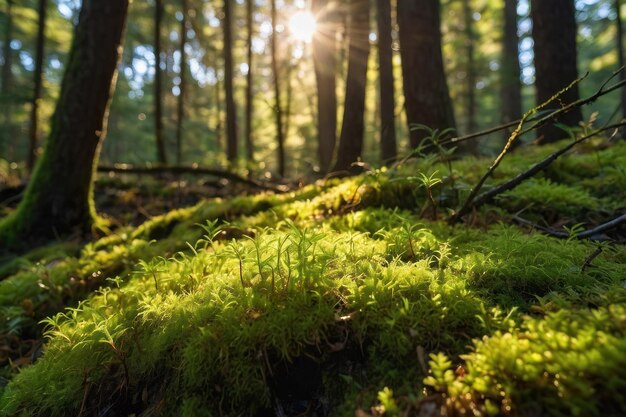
58, 200
182, 87
278, 112
620, 52
7, 75
425, 87
554, 33
388, 145
352, 128
158, 84
232, 150
249, 79
511, 92
324, 52
33, 134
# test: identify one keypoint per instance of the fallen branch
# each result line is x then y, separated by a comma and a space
488, 196
592, 234
469, 202
176, 170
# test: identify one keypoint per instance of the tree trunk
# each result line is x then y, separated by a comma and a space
324, 50
620, 53
59, 198
425, 88
554, 33
7, 79
249, 81
352, 129
158, 89
182, 85
277, 103
511, 93
289, 65
387, 90
231, 111
33, 132
470, 39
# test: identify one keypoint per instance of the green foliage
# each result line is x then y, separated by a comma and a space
201, 307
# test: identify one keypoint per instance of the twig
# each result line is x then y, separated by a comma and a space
590, 259
591, 234
552, 115
127, 169
467, 205
488, 196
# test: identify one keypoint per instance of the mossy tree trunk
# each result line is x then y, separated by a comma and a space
554, 33
324, 59
425, 87
58, 200
353, 124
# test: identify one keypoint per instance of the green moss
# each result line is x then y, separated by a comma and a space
355, 278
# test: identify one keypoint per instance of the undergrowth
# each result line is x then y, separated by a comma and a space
354, 286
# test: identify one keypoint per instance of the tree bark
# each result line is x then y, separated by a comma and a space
249, 81
59, 198
470, 39
7, 79
387, 106
620, 52
510, 74
352, 128
232, 150
324, 50
158, 84
278, 112
183, 84
554, 33
33, 133
425, 87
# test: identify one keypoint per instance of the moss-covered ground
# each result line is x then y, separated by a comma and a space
346, 296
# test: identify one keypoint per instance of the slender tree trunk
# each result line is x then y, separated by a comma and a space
425, 88
620, 53
218, 122
183, 84
554, 33
324, 51
289, 92
353, 129
231, 111
278, 112
470, 39
249, 81
387, 106
7, 79
511, 93
33, 134
59, 198
158, 84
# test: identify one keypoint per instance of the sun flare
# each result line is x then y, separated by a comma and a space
302, 26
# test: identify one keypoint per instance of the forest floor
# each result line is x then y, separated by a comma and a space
345, 297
